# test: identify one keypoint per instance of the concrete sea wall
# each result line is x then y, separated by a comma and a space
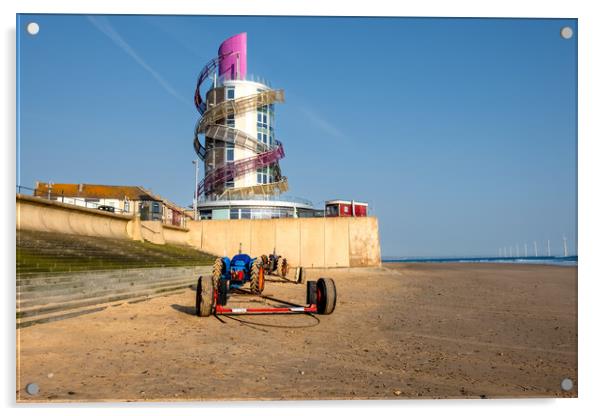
307, 242
38, 214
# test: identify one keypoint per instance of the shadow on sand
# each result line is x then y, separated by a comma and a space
190, 310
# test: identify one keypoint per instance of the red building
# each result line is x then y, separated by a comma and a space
340, 208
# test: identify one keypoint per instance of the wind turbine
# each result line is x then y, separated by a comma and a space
535, 246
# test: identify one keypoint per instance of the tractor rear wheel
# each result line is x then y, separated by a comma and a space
326, 293
204, 296
218, 270
282, 268
257, 277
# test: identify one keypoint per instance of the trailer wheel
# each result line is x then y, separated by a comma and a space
282, 268
204, 296
310, 296
222, 292
326, 293
257, 278
218, 270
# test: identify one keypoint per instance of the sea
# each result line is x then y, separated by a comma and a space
549, 260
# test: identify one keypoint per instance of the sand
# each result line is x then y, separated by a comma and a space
401, 331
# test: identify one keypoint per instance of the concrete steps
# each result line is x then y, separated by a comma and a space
61, 296
45, 317
57, 297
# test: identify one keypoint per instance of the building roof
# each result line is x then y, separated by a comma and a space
84, 190
173, 206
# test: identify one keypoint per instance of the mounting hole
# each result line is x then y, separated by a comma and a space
566, 32
567, 384
33, 28
32, 389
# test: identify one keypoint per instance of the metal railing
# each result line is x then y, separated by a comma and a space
248, 77
276, 198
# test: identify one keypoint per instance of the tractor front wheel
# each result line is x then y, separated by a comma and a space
204, 296
257, 278
326, 294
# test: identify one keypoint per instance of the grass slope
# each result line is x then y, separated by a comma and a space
41, 252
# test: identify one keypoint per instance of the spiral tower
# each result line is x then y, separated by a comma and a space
235, 138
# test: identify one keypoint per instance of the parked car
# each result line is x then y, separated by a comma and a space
106, 208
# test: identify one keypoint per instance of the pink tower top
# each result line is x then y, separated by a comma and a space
234, 66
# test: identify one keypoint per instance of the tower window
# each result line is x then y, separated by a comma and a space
230, 120
230, 93
229, 152
263, 175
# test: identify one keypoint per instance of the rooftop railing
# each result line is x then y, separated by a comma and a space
275, 198
249, 77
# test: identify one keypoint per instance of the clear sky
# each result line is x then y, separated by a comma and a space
460, 133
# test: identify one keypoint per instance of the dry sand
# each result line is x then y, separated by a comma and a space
402, 331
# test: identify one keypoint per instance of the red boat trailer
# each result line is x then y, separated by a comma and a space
220, 310
321, 299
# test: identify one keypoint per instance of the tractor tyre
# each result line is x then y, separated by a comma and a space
300, 275
204, 296
257, 278
282, 268
311, 297
326, 293
218, 270
222, 292
265, 261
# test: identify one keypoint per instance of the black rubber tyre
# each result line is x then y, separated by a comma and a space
222, 292
257, 277
282, 267
300, 275
204, 296
327, 295
218, 270
265, 261
311, 297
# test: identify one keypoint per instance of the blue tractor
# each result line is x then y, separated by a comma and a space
229, 274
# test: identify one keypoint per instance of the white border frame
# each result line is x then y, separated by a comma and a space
590, 71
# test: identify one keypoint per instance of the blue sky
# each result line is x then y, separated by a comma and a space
460, 133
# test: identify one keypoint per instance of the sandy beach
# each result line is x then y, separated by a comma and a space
400, 331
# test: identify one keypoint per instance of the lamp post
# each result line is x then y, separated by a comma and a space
195, 162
